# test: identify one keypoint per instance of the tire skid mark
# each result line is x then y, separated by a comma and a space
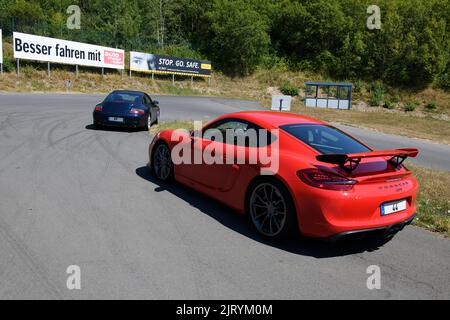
68, 117
190, 253
113, 151
30, 261
120, 255
31, 142
395, 277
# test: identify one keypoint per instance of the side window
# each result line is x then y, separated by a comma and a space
239, 133
147, 100
228, 131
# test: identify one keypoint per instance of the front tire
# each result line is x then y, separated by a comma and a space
162, 164
271, 210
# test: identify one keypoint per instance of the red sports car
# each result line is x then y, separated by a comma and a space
289, 173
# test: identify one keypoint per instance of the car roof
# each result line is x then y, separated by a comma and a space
273, 119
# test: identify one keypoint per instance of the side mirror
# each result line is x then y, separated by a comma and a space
156, 103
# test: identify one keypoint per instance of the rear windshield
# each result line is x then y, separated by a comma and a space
325, 139
126, 97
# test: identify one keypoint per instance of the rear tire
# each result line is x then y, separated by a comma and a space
271, 210
149, 121
162, 165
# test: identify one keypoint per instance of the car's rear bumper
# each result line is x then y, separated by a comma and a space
379, 232
325, 213
132, 121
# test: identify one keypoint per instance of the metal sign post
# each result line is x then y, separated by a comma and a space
76, 71
48, 69
281, 103
18, 68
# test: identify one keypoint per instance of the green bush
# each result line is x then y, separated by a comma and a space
444, 78
396, 97
289, 90
377, 91
410, 106
8, 64
389, 105
359, 86
430, 106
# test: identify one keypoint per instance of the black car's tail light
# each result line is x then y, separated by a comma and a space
137, 111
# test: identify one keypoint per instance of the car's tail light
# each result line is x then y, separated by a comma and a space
98, 108
326, 180
137, 111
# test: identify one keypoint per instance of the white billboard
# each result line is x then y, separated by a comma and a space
31, 47
153, 63
1, 47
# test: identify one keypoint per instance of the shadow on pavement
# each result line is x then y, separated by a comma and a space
234, 221
113, 129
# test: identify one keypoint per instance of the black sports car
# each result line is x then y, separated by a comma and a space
123, 108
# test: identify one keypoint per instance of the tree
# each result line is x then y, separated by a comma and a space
234, 36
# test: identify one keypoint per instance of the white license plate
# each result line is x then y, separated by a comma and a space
115, 119
393, 207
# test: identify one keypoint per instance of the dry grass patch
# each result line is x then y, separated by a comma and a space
433, 203
172, 125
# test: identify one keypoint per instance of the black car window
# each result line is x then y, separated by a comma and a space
241, 133
325, 139
123, 97
147, 100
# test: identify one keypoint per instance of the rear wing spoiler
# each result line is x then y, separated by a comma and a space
351, 161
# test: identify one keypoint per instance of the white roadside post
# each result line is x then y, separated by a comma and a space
1, 52
281, 103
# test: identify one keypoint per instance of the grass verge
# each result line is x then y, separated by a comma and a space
433, 201
172, 125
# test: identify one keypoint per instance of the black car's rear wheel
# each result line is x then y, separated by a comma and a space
149, 121
271, 209
162, 164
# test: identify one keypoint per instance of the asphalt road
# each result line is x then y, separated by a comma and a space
70, 195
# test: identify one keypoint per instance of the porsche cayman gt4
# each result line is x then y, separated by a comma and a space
289, 173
